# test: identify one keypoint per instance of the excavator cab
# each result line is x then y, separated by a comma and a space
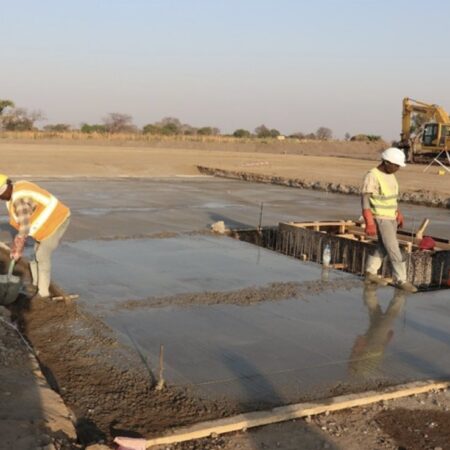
435, 135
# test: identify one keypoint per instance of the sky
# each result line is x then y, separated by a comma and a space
293, 65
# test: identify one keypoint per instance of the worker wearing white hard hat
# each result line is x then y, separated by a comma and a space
37, 214
382, 218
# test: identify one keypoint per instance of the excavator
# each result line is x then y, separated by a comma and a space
431, 139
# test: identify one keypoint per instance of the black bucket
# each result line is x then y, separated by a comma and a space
9, 286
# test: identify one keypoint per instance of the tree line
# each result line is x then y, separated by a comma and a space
13, 118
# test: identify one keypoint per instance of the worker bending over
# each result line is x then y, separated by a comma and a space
382, 217
35, 213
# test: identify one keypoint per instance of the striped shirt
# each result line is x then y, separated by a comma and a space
24, 208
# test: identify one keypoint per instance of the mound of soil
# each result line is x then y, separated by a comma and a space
108, 389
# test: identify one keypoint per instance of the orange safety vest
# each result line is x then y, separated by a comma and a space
49, 214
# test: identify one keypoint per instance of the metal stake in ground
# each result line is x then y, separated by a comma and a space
260, 217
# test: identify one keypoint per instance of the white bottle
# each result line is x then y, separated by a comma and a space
326, 257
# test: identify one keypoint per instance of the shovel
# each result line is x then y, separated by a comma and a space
9, 286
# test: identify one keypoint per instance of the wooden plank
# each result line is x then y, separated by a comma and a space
422, 228
401, 238
295, 411
336, 223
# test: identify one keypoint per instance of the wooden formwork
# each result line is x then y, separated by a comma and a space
350, 248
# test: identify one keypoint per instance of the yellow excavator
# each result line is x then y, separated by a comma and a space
430, 139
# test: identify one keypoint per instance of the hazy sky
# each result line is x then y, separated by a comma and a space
291, 64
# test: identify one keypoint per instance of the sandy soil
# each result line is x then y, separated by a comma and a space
50, 160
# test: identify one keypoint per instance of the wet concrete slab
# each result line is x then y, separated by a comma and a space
273, 352
113, 271
122, 208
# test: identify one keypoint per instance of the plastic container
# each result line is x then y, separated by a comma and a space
326, 257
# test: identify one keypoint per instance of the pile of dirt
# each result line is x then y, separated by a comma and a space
419, 197
104, 385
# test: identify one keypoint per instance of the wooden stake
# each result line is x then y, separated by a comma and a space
161, 381
295, 411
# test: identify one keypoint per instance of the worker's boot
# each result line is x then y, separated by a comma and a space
374, 278
406, 286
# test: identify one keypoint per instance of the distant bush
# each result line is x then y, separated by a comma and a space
57, 127
241, 133
297, 135
208, 131
94, 128
366, 138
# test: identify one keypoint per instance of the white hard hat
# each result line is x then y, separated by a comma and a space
394, 155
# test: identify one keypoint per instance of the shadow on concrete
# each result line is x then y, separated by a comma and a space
280, 435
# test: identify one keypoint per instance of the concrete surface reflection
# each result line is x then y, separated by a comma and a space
369, 349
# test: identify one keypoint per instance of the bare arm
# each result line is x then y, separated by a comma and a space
365, 201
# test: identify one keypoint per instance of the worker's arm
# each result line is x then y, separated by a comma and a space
365, 201
23, 209
370, 186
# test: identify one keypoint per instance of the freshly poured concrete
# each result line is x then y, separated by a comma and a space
133, 207
140, 268
272, 352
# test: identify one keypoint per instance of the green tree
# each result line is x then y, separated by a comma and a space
151, 129
94, 128
241, 133
5, 104
57, 127
274, 133
170, 126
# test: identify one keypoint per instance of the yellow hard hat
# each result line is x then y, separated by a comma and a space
3, 179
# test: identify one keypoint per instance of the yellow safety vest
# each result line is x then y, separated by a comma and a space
49, 214
385, 202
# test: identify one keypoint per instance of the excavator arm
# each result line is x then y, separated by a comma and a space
431, 112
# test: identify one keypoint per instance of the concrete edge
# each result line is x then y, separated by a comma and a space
423, 198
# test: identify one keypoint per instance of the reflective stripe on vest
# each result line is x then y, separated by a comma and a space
49, 214
384, 203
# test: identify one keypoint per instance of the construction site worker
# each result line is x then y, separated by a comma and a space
382, 217
35, 213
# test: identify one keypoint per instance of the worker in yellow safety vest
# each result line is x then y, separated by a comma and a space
382, 217
37, 214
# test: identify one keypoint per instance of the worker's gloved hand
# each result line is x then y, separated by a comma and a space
17, 247
400, 219
371, 228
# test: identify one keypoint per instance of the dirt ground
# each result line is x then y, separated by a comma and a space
32, 416
52, 159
